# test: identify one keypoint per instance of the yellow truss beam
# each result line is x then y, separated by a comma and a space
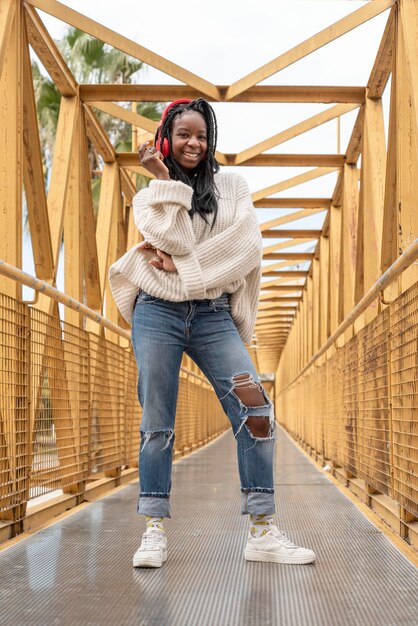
281, 280
260, 93
382, 66
48, 52
87, 25
294, 131
33, 177
274, 266
291, 233
11, 136
292, 182
289, 160
300, 256
285, 219
293, 203
408, 19
285, 244
115, 110
315, 42
58, 188
7, 13
98, 136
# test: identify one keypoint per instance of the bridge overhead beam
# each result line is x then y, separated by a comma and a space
286, 219
293, 234
289, 273
258, 93
126, 159
293, 182
300, 256
309, 45
129, 47
293, 203
294, 131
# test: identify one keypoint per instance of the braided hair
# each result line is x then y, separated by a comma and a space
205, 196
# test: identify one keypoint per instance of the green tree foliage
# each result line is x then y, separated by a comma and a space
93, 62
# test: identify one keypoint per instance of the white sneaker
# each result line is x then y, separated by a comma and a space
152, 551
275, 547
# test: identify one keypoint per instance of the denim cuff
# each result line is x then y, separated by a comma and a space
257, 503
155, 507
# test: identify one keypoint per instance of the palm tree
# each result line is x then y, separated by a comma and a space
48, 105
91, 61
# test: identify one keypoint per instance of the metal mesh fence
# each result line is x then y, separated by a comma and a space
404, 383
15, 444
332, 413
69, 411
362, 402
107, 377
60, 404
350, 394
373, 404
133, 413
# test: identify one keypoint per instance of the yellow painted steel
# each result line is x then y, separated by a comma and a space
344, 348
358, 408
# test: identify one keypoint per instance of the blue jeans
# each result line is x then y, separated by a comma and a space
204, 330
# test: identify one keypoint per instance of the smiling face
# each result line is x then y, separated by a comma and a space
189, 139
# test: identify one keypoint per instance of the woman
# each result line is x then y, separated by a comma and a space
192, 286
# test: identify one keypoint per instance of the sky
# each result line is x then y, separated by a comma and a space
224, 40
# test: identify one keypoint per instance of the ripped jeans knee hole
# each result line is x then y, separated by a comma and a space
147, 435
252, 396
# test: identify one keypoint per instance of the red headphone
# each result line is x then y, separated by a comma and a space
165, 148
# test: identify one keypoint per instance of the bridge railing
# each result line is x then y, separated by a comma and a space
69, 415
355, 406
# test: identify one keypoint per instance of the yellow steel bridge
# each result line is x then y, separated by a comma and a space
336, 341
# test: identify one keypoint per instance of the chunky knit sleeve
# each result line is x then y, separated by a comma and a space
226, 257
161, 214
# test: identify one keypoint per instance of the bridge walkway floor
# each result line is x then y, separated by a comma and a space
79, 570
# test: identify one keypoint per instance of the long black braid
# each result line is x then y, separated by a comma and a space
205, 196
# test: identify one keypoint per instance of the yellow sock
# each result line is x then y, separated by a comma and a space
156, 523
260, 524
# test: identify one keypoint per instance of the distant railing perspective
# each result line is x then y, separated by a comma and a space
357, 410
69, 415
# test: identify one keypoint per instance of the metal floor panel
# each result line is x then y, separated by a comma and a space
78, 571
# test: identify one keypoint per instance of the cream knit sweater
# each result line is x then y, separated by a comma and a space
209, 262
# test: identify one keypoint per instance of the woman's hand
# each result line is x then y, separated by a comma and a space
163, 260
153, 161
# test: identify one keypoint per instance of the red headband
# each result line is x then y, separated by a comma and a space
168, 107
165, 149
